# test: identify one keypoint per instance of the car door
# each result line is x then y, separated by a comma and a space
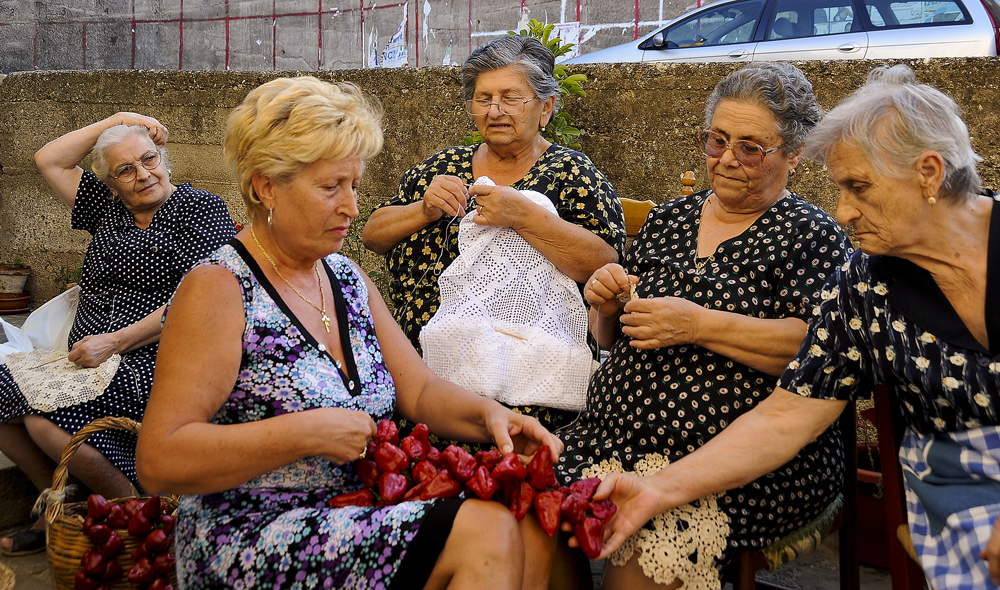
718, 33
924, 29
812, 29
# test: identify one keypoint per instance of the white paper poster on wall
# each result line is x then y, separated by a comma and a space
395, 54
568, 33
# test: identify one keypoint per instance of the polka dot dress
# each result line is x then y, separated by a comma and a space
673, 400
128, 272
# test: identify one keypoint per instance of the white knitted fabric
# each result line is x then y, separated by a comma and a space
49, 380
511, 326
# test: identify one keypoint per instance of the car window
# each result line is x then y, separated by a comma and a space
887, 14
732, 23
808, 18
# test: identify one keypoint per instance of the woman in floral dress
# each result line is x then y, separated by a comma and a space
278, 356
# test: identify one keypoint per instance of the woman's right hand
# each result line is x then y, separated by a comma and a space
446, 195
604, 286
637, 500
157, 131
342, 434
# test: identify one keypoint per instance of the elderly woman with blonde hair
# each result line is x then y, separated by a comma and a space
278, 355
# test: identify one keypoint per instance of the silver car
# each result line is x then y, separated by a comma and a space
765, 30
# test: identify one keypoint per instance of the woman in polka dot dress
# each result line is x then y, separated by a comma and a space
725, 281
147, 233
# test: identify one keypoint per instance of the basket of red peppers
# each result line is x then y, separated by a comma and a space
121, 543
395, 471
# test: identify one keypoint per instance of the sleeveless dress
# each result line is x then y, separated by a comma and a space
276, 530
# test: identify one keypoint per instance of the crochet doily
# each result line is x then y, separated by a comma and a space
685, 542
49, 381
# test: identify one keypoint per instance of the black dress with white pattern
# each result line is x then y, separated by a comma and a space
673, 400
128, 272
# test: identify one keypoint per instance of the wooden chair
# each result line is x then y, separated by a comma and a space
636, 212
841, 515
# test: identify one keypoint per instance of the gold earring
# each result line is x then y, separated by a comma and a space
931, 200
270, 218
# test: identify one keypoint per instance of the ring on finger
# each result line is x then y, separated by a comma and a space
364, 452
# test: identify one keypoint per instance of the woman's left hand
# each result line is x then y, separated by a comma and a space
660, 322
91, 351
637, 501
513, 432
991, 554
499, 206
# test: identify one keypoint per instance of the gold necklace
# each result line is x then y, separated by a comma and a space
322, 296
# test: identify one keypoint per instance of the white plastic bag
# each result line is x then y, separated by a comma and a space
511, 326
46, 328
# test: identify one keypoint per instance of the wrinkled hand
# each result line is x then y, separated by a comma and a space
157, 131
446, 195
637, 502
661, 321
513, 432
500, 206
91, 351
344, 433
991, 555
604, 286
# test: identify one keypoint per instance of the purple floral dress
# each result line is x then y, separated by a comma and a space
276, 530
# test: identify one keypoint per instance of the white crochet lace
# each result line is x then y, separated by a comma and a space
49, 381
687, 552
511, 326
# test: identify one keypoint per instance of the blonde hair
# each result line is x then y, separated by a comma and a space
285, 125
111, 138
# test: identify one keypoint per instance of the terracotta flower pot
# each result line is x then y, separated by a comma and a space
15, 302
12, 278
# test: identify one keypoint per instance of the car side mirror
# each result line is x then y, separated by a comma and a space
658, 40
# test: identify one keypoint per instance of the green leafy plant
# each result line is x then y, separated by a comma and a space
560, 128
16, 263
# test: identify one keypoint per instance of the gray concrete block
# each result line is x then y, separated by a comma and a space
251, 45
204, 45
298, 43
60, 46
109, 46
157, 46
242, 8
17, 48
101, 10
157, 9
205, 9
343, 45
17, 11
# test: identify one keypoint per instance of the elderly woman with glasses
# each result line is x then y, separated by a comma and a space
146, 233
708, 308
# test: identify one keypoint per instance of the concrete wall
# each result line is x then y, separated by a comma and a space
640, 123
283, 35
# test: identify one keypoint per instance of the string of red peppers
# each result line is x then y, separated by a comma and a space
150, 522
395, 471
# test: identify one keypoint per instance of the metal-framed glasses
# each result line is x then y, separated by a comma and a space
746, 152
506, 106
127, 172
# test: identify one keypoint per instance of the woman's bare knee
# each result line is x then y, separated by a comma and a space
484, 550
631, 577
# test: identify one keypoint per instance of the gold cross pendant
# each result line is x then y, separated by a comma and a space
326, 322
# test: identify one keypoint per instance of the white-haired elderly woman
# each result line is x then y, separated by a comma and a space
916, 308
725, 281
278, 355
146, 233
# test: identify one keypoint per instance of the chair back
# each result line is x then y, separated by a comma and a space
636, 212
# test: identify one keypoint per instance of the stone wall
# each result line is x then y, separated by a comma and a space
640, 123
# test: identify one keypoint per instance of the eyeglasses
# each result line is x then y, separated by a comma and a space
506, 106
149, 161
746, 152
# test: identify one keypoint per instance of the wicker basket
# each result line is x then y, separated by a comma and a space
66, 541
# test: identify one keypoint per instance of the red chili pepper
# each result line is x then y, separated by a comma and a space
132, 507
81, 581
482, 484
113, 546
489, 458
142, 572
413, 448
161, 583
164, 563
413, 494
442, 486
156, 541
547, 509
604, 509
590, 534
361, 497
507, 488
585, 487
509, 468
153, 508
521, 499
117, 519
422, 433
387, 432
168, 521
113, 573
390, 459
461, 465
434, 456
99, 534
367, 472
93, 563
391, 486
574, 508
97, 507
541, 475
139, 525
423, 471
139, 553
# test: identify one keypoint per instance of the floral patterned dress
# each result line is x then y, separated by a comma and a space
276, 530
